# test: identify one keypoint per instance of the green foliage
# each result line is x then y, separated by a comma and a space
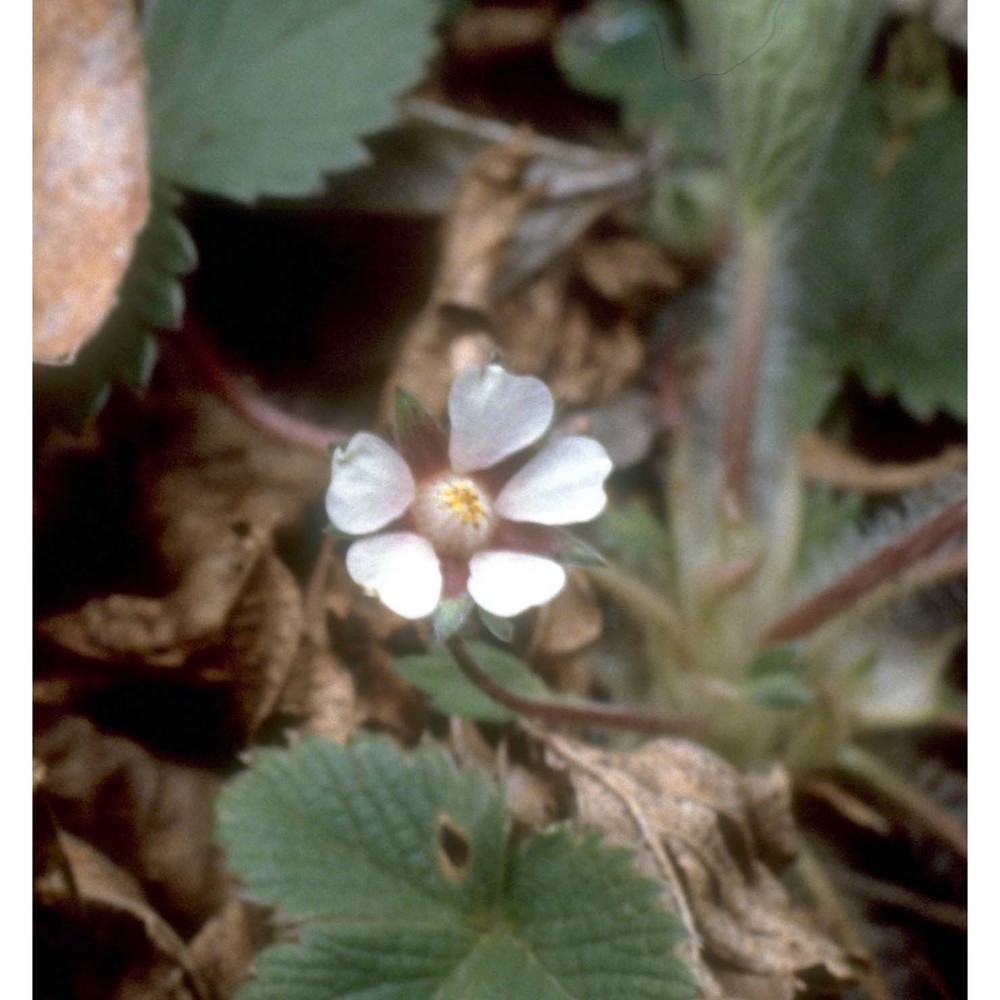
827, 518
151, 297
400, 878
883, 264
774, 680
633, 535
251, 97
627, 51
437, 674
782, 70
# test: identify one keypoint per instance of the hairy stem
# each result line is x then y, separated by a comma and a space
898, 555
251, 406
894, 789
604, 716
751, 312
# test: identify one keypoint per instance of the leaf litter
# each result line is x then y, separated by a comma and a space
229, 603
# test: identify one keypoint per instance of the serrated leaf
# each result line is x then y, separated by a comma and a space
438, 675
883, 263
399, 873
151, 298
251, 97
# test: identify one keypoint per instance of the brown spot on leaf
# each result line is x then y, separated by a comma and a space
454, 850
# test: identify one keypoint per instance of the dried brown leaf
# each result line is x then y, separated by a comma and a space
570, 622
98, 883
826, 461
489, 201
90, 175
546, 333
152, 818
704, 831
262, 639
485, 34
224, 948
627, 270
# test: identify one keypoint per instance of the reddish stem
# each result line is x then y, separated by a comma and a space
604, 716
252, 407
751, 311
878, 568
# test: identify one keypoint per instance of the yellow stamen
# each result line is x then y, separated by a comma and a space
462, 498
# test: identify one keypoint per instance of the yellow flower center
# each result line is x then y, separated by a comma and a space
455, 515
462, 498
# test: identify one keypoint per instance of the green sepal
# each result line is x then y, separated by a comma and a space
450, 616
501, 628
575, 552
420, 438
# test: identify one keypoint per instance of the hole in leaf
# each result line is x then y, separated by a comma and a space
454, 849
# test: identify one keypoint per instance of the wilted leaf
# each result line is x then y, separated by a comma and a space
438, 675
97, 883
255, 98
399, 875
417, 164
883, 263
150, 817
91, 180
709, 835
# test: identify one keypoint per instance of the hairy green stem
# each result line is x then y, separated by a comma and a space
894, 789
604, 716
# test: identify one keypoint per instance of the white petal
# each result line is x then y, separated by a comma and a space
494, 414
562, 484
371, 485
507, 583
400, 569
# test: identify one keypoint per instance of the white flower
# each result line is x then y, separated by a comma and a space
466, 522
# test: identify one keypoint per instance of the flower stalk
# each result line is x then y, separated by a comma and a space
603, 716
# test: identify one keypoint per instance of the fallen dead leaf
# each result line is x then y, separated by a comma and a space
489, 200
90, 176
92, 882
708, 834
627, 270
826, 461
152, 818
223, 950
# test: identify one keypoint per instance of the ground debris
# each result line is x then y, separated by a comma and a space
710, 836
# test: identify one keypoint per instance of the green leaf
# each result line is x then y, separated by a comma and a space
774, 680
828, 517
438, 675
883, 263
403, 885
151, 298
782, 70
252, 97
627, 51
500, 628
